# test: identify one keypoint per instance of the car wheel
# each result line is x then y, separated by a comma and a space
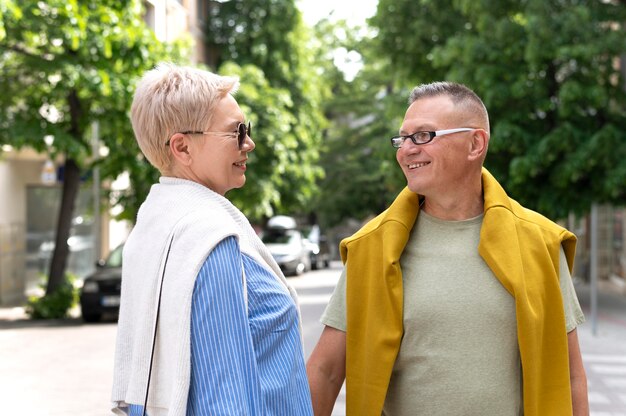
92, 317
314, 264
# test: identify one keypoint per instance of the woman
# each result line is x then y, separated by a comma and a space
228, 338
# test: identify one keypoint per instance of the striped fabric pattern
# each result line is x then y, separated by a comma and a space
244, 363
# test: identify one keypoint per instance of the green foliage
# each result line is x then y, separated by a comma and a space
281, 92
362, 175
548, 72
67, 64
55, 305
269, 111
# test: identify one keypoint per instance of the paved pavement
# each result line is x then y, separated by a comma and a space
604, 353
64, 367
314, 291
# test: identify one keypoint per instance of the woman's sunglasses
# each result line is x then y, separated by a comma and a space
242, 132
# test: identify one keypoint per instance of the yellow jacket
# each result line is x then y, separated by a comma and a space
521, 248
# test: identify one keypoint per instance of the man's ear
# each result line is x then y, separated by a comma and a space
478, 145
179, 146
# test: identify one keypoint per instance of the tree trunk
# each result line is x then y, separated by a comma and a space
212, 51
71, 183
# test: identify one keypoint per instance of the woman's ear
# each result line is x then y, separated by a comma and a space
479, 145
179, 146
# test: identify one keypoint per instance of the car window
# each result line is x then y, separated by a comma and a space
115, 257
282, 237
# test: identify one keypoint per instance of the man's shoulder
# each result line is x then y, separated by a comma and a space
497, 200
377, 225
533, 217
400, 215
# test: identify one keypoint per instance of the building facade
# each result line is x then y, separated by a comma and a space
30, 193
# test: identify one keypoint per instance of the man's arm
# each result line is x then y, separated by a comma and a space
578, 378
326, 369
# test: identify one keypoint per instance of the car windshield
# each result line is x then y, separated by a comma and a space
281, 237
115, 257
312, 233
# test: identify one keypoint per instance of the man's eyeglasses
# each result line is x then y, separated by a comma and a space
241, 133
423, 137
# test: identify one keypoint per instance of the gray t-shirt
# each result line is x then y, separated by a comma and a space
459, 353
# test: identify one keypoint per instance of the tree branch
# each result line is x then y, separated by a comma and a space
45, 56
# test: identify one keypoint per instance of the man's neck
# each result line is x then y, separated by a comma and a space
452, 207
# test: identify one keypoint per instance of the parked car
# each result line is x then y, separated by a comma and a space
82, 253
319, 248
288, 247
100, 293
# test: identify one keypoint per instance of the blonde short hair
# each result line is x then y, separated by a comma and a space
171, 99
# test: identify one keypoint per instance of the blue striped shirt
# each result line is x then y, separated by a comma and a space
243, 363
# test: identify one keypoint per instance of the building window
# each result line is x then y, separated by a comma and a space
202, 10
149, 15
42, 210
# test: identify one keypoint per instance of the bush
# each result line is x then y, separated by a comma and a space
56, 305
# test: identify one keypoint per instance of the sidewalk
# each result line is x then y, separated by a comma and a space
604, 353
15, 316
610, 324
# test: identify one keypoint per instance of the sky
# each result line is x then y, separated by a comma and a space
355, 11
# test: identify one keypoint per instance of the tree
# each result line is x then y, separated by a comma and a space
65, 65
549, 74
362, 176
270, 36
269, 110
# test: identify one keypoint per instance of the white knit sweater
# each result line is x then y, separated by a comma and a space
198, 219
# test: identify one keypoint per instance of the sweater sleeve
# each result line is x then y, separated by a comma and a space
224, 374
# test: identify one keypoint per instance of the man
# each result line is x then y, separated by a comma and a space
456, 300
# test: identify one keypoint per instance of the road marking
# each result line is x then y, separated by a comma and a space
313, 299
598, 398
604, 358
615, 381
606, 414
609, 369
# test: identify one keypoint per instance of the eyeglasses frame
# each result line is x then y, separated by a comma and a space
242, 132
431, 135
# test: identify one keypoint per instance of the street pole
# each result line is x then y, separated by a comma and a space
594, 269
95, 148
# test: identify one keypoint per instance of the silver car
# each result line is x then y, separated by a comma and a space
290, 250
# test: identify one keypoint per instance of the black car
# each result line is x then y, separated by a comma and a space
100, 294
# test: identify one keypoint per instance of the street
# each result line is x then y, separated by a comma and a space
65, 367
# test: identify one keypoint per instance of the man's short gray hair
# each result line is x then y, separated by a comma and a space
457, 92
460, 95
